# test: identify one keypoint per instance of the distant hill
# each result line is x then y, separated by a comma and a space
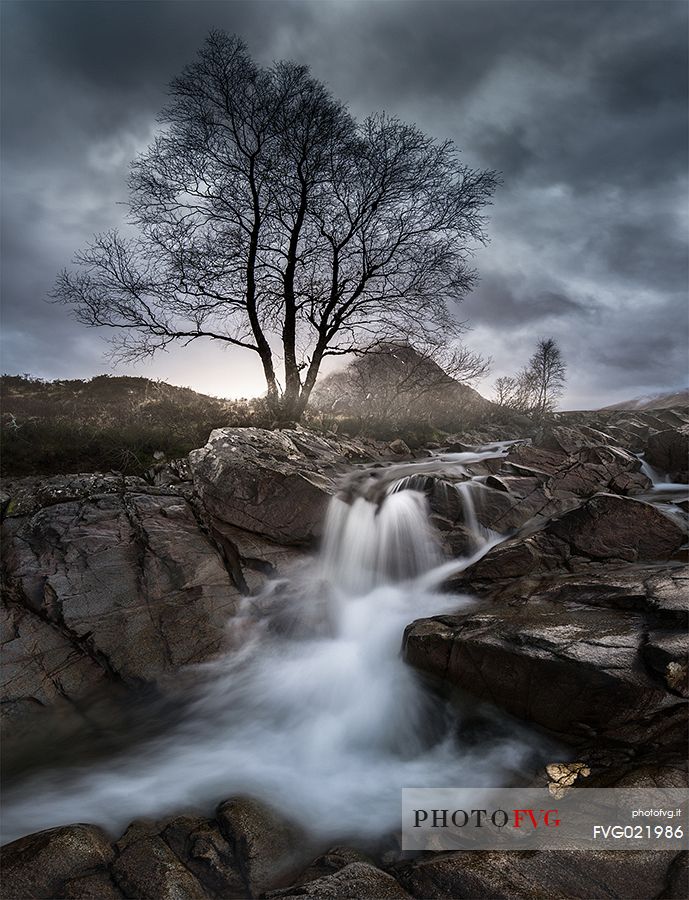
664, 400
106, 390
398, 383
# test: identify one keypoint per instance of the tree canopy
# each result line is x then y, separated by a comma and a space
266, 217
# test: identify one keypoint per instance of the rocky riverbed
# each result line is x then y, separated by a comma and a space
119, 590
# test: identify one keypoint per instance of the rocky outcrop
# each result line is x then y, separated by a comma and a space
273, 483
237, 855
574, 670
115, 582
668, 451
130, 580
110, 583
636, 875
37, 866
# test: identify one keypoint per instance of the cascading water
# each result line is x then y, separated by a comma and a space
368, 544
323, 721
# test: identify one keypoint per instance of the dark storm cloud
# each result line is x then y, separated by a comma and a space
504, 302
581, 105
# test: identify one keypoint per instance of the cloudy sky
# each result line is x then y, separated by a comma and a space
581, 105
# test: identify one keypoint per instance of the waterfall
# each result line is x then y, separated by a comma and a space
326, 722
661, 483
368, 544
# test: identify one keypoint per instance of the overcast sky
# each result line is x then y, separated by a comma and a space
581, 105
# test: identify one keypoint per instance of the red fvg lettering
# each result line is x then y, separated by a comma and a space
542, 816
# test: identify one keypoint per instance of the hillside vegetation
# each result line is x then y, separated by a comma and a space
121, 423
128, 424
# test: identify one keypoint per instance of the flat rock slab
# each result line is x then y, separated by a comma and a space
571, 669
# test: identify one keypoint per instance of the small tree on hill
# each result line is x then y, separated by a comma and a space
536, 388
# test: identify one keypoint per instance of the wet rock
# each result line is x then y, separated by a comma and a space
130, 580
662, 593
148, 870
266, 482
91, 887
200, 846
538, 554
540, 875
263, 844
572, 670
668, 451
38, 865
611, 527
355, 881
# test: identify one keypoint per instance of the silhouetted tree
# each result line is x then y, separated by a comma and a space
536, 388
268, 217
546, 376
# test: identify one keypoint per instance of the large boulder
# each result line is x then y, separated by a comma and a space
575, 670
612, 527
668, 451
198, 844
274, 483
38, 865
264, 844
604, 528
148, 870
131, 580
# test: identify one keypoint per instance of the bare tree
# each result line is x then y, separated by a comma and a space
266, 217
505, 391
546, 373
536, 388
